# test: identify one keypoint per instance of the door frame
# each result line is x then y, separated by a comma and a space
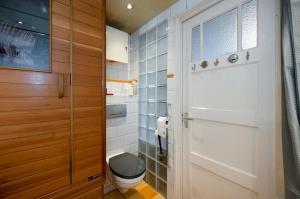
275, 185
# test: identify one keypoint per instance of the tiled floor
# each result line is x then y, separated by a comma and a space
142, 191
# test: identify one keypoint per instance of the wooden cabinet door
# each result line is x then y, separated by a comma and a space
88, 84
54, 147
35, 124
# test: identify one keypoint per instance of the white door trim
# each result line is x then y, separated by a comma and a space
178, 127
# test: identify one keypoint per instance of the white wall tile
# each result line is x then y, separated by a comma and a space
178, 8
163, 16
152, 23
193, 3
143, 29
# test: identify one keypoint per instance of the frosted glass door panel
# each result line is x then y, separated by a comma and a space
220, 35
196, 40
249, 25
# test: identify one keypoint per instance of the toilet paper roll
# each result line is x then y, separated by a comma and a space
162, 126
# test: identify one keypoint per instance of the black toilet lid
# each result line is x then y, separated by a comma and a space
127, 166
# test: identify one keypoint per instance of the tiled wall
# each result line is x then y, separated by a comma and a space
121, 133
171, 13
116, 70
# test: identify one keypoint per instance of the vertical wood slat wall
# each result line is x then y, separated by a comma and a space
40, 134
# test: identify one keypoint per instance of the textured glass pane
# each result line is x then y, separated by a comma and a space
24, 34
152, 121
142, 136
142, 54
162, 77
151, 93
162, 45
142, 81
142, 40
151, 79
143, 108
143, 121
151, 64
151, 107
143, 94
162, 61
249, 25
151, 50
196, 44
162, 94
151, 36
162, 109
220, 35
162, 29
142, 66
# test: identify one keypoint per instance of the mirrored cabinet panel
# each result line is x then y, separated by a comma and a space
24, 34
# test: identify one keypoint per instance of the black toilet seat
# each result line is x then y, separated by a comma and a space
127, 166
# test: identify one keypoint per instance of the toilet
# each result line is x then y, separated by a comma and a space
125, 170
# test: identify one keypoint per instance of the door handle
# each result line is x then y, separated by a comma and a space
61, 86
186, 120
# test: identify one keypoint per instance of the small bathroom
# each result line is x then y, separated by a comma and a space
136, 100
150, 99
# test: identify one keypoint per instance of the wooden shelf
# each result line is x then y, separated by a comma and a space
108, 79
120, 80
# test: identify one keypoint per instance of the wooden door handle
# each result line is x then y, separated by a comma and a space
61, 86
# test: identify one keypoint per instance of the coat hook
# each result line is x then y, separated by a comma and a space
216, 62
194, 67
204, 64
248, 55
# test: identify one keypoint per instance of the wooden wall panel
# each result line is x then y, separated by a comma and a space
35, 125
88, 66
41, 134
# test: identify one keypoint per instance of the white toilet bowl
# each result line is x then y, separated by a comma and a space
125, 171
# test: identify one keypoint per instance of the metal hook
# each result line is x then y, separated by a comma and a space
248, 55
216, 62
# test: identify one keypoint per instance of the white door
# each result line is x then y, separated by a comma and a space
229, 98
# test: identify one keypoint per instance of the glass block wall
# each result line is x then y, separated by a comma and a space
153, 56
